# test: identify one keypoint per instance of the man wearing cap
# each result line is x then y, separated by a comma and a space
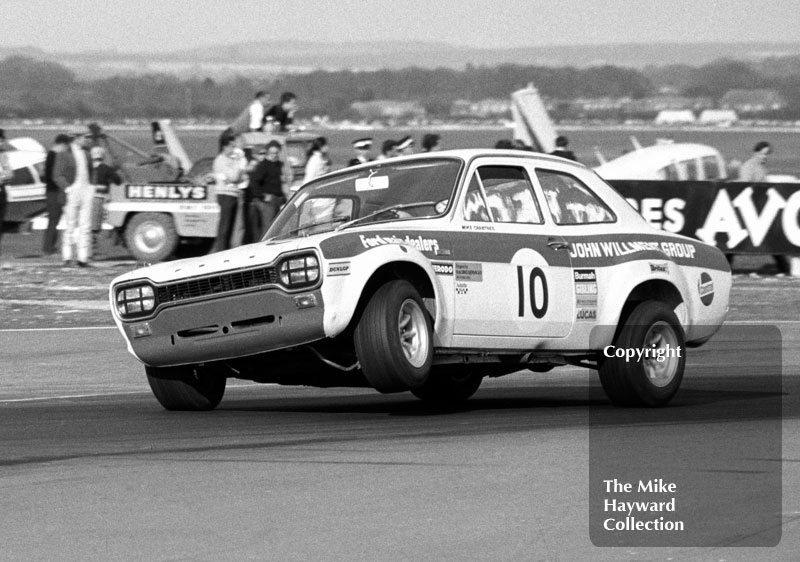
71, 172
362, 148
404, 146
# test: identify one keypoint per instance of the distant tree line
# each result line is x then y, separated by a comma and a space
31, 88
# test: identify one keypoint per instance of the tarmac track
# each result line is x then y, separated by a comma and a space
93, 469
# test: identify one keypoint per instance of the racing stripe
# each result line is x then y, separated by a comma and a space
585, 251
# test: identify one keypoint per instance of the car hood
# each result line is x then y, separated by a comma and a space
250, 255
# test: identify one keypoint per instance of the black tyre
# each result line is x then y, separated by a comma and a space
151, 237
394, 339
652, 325
186, 388
449, 385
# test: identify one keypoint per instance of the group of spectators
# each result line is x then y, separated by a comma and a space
252, 188
77, 182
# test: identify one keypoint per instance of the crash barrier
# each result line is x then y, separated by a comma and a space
737, 217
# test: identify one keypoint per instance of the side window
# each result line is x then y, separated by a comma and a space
505, 192
711, 167
22, 176
570, 201
669, 173
691, 170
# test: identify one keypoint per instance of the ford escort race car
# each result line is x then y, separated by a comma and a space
428, 273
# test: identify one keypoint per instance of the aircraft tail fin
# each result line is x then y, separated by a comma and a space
532, 124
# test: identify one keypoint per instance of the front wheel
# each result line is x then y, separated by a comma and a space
654, 378
186, 388
394, 338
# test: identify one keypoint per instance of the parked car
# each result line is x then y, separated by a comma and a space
428, 273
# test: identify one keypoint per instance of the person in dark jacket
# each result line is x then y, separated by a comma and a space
55, 196
265, 191
562, 149
279, 117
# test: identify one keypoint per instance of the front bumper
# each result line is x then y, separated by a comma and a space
226, 327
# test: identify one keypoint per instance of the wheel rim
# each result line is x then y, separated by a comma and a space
150, 237
661, 338
413, 333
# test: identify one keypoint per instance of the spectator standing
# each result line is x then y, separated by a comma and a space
431, 142
755, 170
103, 177
562, 149
265, 191
230, 176
404, 145
6, 173
362, 148
55, 196
72, 174
388, 149
318, 162
281, 115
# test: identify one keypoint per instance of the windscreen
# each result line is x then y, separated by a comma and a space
421, 188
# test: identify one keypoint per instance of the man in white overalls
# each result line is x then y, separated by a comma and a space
71, 173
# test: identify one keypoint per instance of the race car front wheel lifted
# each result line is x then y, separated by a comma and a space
186, 388
652, 378
394, 338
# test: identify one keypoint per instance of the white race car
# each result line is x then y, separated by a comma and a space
428, 273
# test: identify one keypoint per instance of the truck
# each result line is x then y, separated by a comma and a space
159, 208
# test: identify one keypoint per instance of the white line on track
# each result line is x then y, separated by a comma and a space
57, 329
106, 394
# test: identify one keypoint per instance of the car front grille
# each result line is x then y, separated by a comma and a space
216, 284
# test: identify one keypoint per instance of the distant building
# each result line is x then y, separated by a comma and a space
753, 101
389, 109
720, 117
483, 108
674, 117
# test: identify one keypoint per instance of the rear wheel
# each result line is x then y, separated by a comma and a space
394, 339
654, 379
151, 237
449, 385
187, 388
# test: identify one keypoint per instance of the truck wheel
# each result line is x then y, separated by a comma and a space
151, 237
652, 326
394, 339
186, 388
448, 385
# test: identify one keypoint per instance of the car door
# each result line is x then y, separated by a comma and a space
512, 274
578, 214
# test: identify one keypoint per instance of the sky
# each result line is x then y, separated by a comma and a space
143, 26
